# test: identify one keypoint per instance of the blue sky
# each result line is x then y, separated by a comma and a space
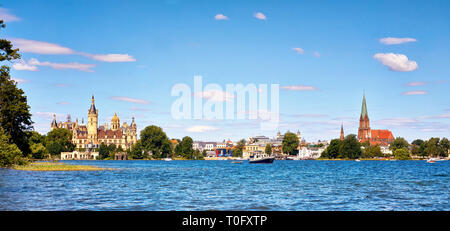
130, 54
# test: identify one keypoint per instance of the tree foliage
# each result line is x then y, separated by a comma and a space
372, 151
332, 151
290, 143
15, 117
239, 148
350, 148
398, 142
268, 149
154, 140
10, 154
59, 140
402, 154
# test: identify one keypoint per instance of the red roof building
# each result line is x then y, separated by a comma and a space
380, 137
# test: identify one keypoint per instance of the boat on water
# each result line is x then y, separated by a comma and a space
167, 159
261, 159
357, 160
433, 160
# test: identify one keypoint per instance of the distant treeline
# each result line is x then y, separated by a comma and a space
351, 148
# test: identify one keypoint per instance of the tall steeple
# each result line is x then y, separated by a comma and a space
92, 123
92, 110
364, 132
342, 132
364, 113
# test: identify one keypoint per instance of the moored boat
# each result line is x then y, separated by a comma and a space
261, 159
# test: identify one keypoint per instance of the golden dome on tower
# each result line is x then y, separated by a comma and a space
115, 118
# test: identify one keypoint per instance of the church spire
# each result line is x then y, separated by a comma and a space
342, 132
364, 113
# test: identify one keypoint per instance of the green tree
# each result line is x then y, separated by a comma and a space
59, 140
239, 148
136, 151
10, 154
15, 117
268, 149
185, 148
332, 151
445, 145
154, 139
38, 151
398, 142
350, 147
432, 148
418, 147
36, 138
111, 151
372, 151
290, 143
402, 154
103, 151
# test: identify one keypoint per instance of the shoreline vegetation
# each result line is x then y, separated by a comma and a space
56, 166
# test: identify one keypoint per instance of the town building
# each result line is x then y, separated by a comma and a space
306, 153
365, 133
91, 135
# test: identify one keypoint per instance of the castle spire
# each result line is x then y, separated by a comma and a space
92, 110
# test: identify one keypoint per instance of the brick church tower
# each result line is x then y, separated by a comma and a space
364, 133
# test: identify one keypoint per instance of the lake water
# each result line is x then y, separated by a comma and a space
221, 185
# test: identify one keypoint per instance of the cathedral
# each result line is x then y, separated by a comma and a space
91, 135
380, 137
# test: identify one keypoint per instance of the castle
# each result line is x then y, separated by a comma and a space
380, 137
92, 135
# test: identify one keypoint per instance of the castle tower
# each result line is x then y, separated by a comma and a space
53, 125
342, 132
115, 122
133, 132
364, 125
92, 123
298, 136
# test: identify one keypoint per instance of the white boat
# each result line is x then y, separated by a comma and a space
433, 160
357, 160
167, 159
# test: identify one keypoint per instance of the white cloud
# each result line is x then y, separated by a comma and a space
299, 50
60, 66
394, 41
220, 17
413, 84
317, 54
131, 100
21, 65
415, 93
299, 88
396, 62
39, 47
112, 58
64, 103
260, 16
8, 17
201, 128
215, 95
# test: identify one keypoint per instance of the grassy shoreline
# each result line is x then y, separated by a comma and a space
54, 166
